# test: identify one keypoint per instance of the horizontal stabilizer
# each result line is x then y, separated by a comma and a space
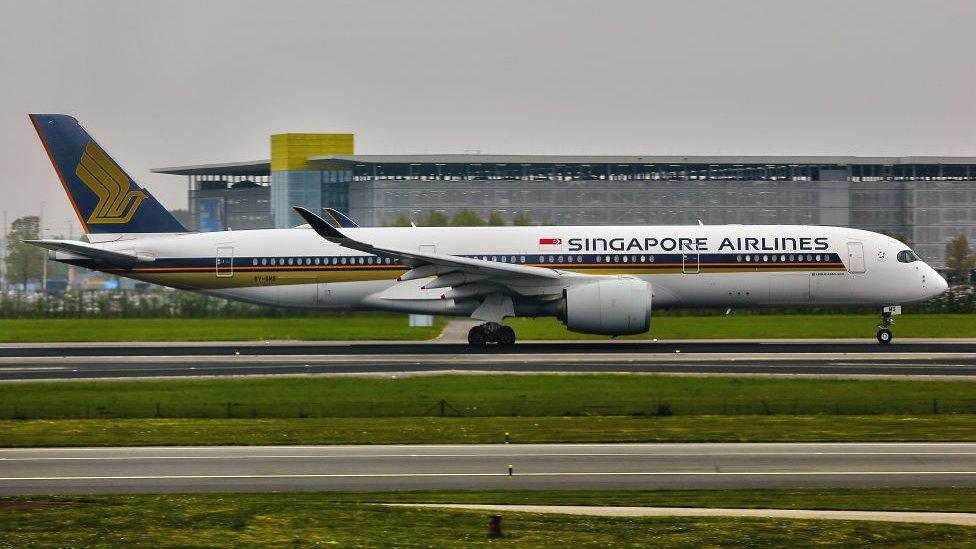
90, 252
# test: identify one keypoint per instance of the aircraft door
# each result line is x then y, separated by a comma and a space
690, 263
855, 257
224, 267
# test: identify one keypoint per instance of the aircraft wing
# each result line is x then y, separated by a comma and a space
416, 259
88, 251
492, 283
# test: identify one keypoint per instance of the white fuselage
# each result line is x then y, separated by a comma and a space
687, 266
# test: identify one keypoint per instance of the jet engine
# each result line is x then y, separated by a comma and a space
617, 306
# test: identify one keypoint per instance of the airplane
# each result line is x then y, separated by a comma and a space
595, 279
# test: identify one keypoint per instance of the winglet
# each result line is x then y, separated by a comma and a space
341, 220
319, 225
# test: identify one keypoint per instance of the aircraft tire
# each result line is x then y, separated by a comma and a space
884, 336
506, 336
477, 337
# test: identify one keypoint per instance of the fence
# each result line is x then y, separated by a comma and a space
160, 303
494, 408
133, 304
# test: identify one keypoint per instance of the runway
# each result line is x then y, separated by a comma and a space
545, 466
845, 358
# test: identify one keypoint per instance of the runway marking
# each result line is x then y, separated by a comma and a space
537, 474
476, 446
33, 369
965, 519
506, 455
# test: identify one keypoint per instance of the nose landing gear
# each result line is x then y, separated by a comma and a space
491, 332
884, 334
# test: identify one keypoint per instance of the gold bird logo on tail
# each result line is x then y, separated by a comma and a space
116, 202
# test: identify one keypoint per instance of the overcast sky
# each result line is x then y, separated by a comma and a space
172, 83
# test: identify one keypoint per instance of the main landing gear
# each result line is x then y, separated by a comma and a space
491, 332
884, 334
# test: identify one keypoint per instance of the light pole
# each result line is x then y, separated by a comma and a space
3, 255
40, 234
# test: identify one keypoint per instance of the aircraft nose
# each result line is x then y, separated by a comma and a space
939, 283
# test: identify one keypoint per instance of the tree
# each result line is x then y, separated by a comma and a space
496, 219
467, 218
24, 262
401, 221
435, 218
521, 220
960, 259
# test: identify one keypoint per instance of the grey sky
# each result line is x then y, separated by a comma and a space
169, 83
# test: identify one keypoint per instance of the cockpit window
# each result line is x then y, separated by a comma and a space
907, 256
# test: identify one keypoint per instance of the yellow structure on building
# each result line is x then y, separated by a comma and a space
290, 151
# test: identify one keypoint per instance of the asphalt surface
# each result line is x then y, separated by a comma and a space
546, 466
82, 361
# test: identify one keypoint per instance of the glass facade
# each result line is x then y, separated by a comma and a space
923, 204
311, 189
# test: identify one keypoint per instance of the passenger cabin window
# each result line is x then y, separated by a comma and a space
907, 256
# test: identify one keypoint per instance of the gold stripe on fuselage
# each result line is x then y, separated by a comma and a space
247, 277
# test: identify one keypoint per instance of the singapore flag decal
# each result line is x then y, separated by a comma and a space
550, 244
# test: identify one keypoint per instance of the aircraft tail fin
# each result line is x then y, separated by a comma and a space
104, 197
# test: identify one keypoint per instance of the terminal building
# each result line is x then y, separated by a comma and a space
925, 201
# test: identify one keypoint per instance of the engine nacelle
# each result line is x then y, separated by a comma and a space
619, 306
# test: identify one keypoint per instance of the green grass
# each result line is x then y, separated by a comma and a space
340, 327
480, 409
430, 430
936, 499
394, 327
318, 519
761, 326
483, 395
